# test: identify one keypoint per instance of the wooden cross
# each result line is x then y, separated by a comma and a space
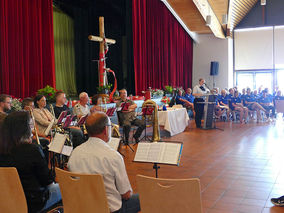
103, 46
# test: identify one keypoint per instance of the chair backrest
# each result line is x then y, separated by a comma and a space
12, 197
82, 192
279, 105
167, 196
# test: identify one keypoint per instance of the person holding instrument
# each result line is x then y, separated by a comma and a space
198, 92
28, 105
128, 117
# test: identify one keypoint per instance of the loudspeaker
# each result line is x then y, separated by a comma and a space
214, 68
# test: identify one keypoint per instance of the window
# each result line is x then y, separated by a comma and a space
280, 80
254, 80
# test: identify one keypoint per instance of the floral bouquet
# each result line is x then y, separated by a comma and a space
166, 100
16, 104
157, 92
48, 92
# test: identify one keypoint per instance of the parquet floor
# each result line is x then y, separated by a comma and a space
240, 168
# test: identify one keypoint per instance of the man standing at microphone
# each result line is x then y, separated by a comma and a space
198, 92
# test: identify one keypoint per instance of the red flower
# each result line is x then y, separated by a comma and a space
50, 94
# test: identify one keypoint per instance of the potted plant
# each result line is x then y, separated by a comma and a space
49, 93
168, 90
104, 89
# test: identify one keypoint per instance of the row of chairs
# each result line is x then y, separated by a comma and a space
86, 193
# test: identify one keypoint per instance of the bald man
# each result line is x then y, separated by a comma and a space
82, 108
95, 156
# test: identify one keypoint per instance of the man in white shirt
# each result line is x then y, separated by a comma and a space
82, 108
96, 157
198, 92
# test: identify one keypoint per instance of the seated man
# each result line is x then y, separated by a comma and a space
223, 102
236, 104
128, 118
180, 99
5, 105
250, 102
267, 104
82, 108
189, 105
96, 157
60, 106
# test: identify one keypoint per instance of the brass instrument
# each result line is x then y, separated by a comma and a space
153, 119
34, 123
52, 110
115, 130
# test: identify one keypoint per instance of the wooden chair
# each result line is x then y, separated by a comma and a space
82, 192
12, 197
169, 196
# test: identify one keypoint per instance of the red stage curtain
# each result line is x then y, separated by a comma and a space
26, 46
162, 48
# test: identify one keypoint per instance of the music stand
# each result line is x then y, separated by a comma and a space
147, 111
61, 117
122, 140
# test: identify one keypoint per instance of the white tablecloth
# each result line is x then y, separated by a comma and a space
175, 121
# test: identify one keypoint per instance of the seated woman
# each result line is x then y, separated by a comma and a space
267, 103
17, 150
236, 105
250, 102
43, 117
28, 105
97, 102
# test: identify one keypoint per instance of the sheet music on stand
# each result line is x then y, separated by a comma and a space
57, 145
114, 143
159, 152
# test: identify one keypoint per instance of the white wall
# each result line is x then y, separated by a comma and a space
209, 48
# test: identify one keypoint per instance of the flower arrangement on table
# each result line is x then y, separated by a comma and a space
48, 92
166, 100
16, 104
157, 93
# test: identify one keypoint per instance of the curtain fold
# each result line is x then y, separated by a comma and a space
63, 27
26, 46
163, 51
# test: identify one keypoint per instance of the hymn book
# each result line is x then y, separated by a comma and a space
159, 152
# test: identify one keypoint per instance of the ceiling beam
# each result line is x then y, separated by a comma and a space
205, 9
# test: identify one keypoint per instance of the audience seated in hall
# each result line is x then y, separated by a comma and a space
96, 157
82, 108
17, 150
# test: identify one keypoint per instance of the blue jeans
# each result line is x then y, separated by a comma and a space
132, 205
54, 195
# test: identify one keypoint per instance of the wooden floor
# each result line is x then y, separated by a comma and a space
240, 168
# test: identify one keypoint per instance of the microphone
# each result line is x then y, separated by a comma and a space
206, 86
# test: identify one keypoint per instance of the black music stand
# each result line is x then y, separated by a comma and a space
147, 111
